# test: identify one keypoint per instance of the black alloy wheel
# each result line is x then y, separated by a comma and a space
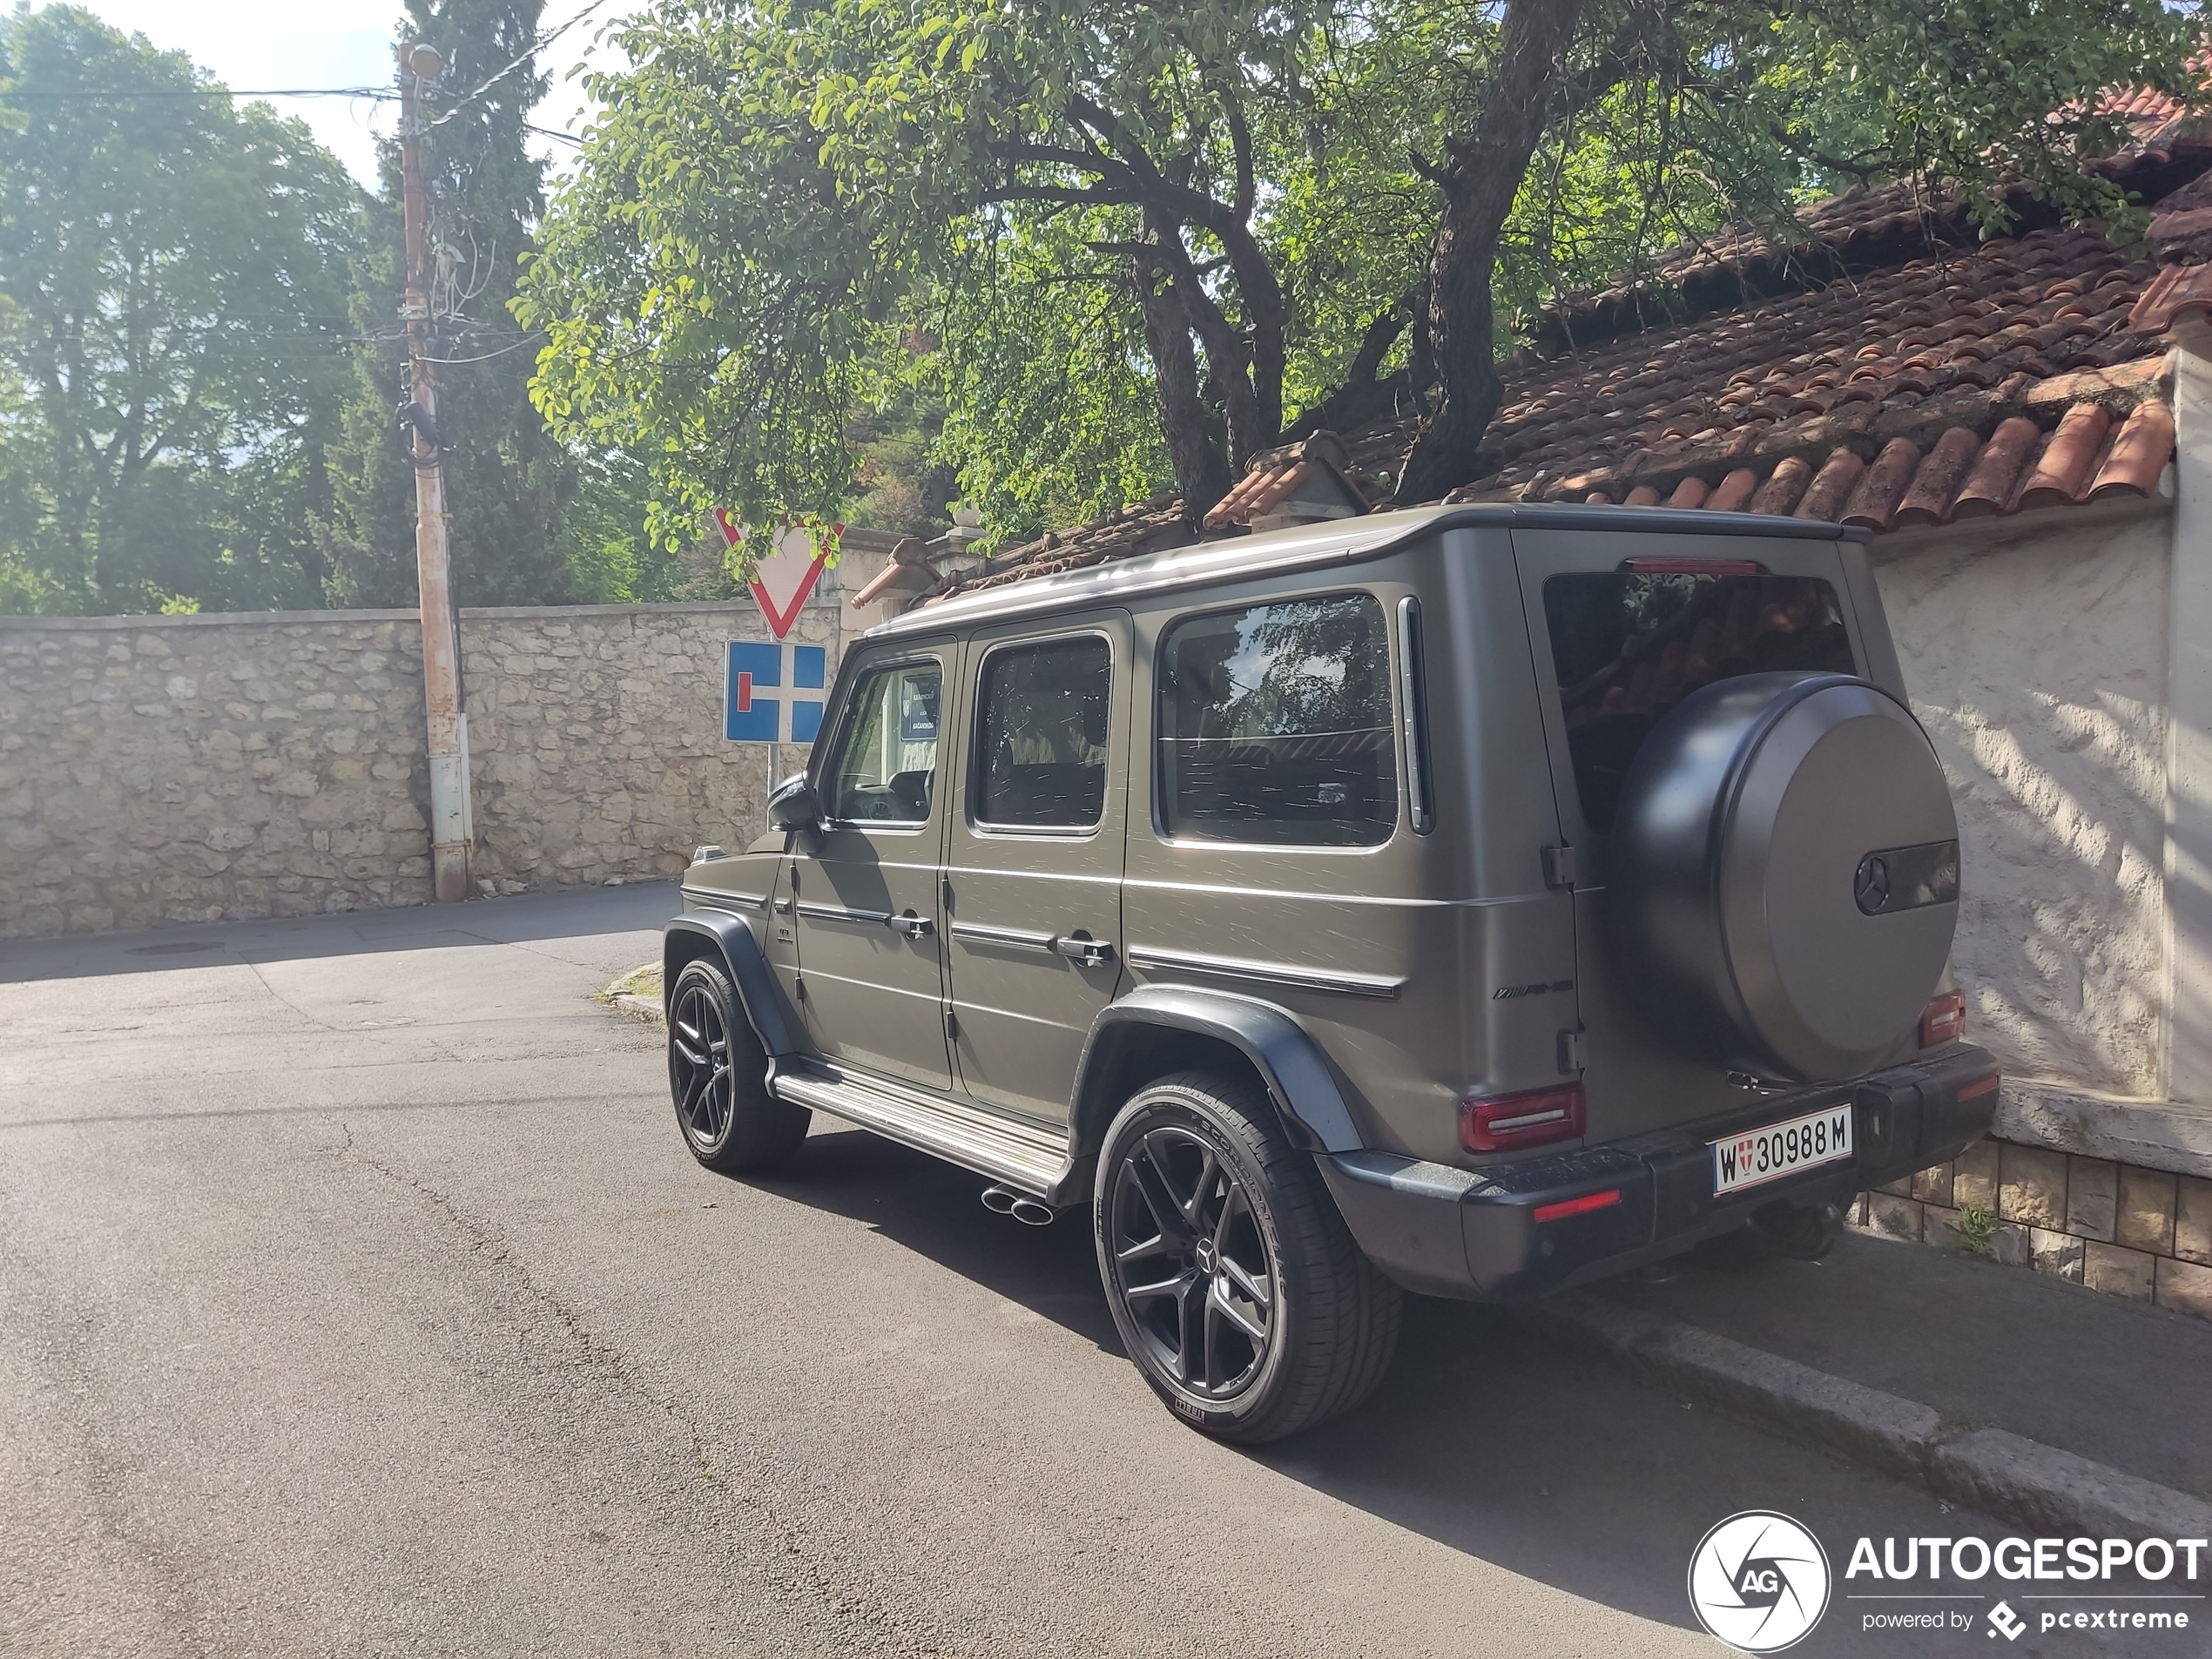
717, 1077
1236, 1287
1191, 1263
699, 1062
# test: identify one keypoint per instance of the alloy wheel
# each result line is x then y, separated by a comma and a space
698, 1064
1191, 1263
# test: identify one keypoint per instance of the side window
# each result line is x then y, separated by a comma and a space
1275, 724
885, 768
1040, 735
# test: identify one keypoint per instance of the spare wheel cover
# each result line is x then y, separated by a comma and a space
1831, 869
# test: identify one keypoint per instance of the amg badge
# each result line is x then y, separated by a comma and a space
1537, 989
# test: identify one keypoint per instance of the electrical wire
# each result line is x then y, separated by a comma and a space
536, 47
517, 346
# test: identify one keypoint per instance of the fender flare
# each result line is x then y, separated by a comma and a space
749, 971
1289, 1062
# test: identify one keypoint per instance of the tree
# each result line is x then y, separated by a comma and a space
1977, 93
510, 484
1134, 239
173, 282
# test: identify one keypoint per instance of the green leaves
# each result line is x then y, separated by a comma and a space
784, 197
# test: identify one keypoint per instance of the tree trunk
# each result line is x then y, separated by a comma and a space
1482, 172
1201, 470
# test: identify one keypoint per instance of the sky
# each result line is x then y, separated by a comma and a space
248, 43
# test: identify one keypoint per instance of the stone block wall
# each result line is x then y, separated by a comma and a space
2124, 1229
184, 768
190, 769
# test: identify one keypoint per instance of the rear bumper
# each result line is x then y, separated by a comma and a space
1476, 1234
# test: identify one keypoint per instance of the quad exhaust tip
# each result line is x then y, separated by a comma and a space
1033, 1212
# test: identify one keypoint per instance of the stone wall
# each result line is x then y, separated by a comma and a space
228, 768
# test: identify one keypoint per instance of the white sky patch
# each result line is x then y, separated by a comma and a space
255, 44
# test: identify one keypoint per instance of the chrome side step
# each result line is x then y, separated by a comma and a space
1032, 1161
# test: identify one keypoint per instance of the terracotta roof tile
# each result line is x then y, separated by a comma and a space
2068, 460
2139, 453
1936, 482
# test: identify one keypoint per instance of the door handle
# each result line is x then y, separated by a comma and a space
914, 927
1085, 953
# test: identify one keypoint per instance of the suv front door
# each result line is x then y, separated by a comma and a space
1036, 862
866, 887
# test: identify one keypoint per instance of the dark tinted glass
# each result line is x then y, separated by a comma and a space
1629, 648
1041, 737
1275, 724
886, 767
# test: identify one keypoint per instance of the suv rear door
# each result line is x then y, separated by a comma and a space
1033, 882
1623, 626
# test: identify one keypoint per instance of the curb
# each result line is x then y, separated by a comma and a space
1992, 1470
647, 1009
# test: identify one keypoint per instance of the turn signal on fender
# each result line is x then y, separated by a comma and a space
1533, 1117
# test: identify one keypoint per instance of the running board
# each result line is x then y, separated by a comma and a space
1031, 1160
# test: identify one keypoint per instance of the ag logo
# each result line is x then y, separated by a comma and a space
1759, 1581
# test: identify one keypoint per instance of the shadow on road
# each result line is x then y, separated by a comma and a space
571, 913
1484, 1439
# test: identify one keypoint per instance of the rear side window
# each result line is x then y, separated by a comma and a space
1040, 735
1275, 726
1628, 647
885, 770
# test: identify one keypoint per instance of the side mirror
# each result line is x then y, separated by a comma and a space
792, 805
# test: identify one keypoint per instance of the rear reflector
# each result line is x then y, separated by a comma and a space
1582, 1206
1691, 567
1945, 1020
1980, 1087
1534, 1118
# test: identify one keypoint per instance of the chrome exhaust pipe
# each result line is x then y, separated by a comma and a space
1030, 1212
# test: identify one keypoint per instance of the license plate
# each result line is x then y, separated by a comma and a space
1776, 1150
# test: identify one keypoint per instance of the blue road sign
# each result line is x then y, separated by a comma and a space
753, 667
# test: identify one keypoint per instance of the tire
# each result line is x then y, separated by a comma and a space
1251, 1274
718, 1078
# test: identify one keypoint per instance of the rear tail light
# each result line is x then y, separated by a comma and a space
1944, 1021
1533, 1117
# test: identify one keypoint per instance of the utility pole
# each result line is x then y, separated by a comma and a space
448, 726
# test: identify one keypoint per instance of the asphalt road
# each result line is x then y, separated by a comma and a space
357, 1296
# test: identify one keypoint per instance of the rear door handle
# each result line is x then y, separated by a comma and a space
1088, 953
913, 925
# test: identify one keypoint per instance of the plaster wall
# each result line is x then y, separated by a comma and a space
2037, 657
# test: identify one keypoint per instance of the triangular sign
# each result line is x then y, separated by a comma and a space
781, 582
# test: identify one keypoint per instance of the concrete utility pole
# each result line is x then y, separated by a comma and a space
448, 725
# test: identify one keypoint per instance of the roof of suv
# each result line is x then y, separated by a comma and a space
1343, 541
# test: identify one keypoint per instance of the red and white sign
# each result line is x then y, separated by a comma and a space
782, 581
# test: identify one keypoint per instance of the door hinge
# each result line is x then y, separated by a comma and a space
1559, 867
1570, 1052
945, 887
952, 1026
